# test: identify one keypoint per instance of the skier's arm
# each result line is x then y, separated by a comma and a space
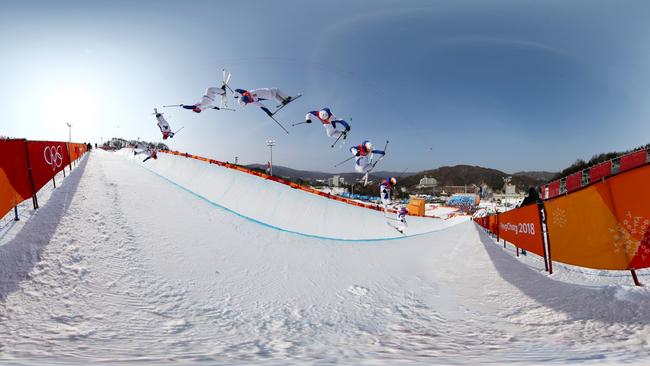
380, 152
186, 107
354, 151
309, 115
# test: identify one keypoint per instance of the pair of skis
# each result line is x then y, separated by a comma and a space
226, 79
389, 219
277, 109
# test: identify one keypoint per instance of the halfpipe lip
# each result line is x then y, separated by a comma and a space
311, 236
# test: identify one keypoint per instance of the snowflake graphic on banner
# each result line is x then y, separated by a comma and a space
644, 248
623, 235
558, 217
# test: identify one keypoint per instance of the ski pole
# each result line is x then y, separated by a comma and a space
337, 140
172, 105
299, 123
350, 158
378, 160
179, 130
279, 124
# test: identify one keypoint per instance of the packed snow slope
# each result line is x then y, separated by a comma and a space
279, 205
123, 265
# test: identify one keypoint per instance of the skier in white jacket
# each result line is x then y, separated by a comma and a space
334, 127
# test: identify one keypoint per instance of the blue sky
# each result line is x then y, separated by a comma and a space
512, 85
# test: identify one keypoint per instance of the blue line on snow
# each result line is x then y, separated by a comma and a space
276, 227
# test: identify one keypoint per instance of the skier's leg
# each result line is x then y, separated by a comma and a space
270, 93
281, 96
335, 124
330, 131
360, 164
264, 93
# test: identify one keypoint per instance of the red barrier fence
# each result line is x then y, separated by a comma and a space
605, 225
26, 166
595, 173
15, 183
522, 227
47, 158
600, 171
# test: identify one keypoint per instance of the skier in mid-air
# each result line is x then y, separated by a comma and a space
334, 127
165, 129
151, 153
207, 100
254, 96
364, 154
385, 189
401, 219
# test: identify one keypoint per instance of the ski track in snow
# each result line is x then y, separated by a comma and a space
119, 265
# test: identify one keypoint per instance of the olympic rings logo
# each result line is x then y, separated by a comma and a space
53, 157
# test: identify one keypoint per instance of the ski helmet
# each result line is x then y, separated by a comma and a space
393, 181
196, 109
246, 99
324, 114
367, 145
403, 211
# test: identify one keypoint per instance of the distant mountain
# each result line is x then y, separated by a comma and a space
460, 175
446, 176
295, 174
542, 176
282, 171
394, 174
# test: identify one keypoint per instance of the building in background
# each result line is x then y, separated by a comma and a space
427, 182
336, 181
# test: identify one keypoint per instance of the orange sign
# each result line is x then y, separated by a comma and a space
603, 226
15, 185
521, 227
492, 224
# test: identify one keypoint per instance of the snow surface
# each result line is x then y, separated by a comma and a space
123, 265
275, 204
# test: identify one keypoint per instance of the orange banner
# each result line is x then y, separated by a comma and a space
76, 150
15, 186
492, 224
521, 227
603, 226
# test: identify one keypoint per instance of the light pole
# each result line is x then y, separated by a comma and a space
270, 144
69, 131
